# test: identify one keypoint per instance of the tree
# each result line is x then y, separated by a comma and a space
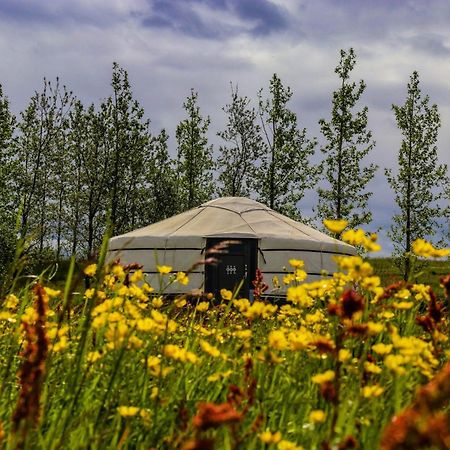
40, 141
244, 146
347, 142
195, 163
420, 179
161, 181
127, 140
285, 172
8, 171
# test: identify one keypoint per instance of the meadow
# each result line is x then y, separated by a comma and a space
349, 361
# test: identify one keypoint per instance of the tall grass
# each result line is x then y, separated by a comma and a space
120, 366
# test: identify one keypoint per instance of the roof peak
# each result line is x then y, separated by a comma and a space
237, 204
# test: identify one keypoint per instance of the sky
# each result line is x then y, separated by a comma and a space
171, 46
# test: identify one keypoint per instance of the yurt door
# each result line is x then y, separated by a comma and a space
235, 266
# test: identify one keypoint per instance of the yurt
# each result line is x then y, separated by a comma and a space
258, 237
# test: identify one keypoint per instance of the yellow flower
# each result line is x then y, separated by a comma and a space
180, 302
344, 355
164, 270
93, 356
89, 293
382, 349
90, 270
335, 226
395, 363
425, 249
147, 288
118, 272
317, 416
372, 391
402, 305
270, 438
52, 292
154, 393
370, 367
128, 411
277, 339
182, 278
288, 445
226, 294
138, 275
202, 306
210, 349
296, 263
157, 302
11, 301
323, 377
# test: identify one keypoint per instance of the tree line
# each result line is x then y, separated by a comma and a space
67, 169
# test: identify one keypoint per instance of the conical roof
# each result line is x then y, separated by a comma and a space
236, 217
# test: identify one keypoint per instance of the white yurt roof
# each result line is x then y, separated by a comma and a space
233, 217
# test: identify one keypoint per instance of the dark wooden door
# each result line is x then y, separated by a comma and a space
236, 266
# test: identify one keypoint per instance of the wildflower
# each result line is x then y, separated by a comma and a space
164, 270
90, 270
321, 378
299, 296
374, 328
118, 272
351, 303
32, 369
154, 393
395, 363
267, 437
296, 263
335, 226
180, 354
382, 349
157, 302
93, 356
317, 416
288, 445
182, 278
344, 355
402, 305
180, 302
275, 282
202, 306
210, 349
372, 391
128, 411
371, 367
137, 276
52, 292
147, 288
226, 294
11, 301
277, 340
211, 415
425, 249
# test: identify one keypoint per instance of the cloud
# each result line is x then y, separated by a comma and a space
217, 19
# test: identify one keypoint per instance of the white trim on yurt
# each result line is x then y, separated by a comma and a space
180, 241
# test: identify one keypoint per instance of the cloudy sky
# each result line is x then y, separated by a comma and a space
171, 46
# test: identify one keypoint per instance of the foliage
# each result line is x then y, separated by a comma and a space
195, 162
420, 178
347, 142
244, 146
8, 171
285, 172
121, 365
